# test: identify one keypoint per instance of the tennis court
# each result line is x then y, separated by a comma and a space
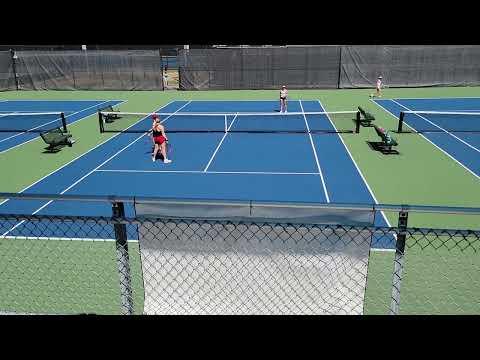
450, 124
22, 120
297, 167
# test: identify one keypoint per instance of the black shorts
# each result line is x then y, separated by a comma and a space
283, 98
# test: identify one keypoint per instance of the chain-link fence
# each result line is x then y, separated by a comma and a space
259, 68
206, 264
7, 78
329, 66
298, 67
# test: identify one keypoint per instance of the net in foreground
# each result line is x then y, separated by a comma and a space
32, 122
439, 121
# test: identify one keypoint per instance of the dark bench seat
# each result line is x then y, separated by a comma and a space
387, 141
366, 118
57, 138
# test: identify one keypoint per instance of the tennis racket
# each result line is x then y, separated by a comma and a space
169, 148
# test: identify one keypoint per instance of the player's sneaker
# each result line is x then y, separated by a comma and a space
167, 161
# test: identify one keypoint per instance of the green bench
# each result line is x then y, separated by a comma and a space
366, 118
387, 140
56, 138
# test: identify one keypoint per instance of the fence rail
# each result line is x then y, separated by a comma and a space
172, 256
156, 200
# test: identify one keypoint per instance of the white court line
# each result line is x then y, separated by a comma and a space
60, 239
71, 124
36, 127
437, 98
207, 172
89, 173
356, 166
431, 142
237, 100
71, 161
316, 157
33, 100
442, 111
447, 132
220, 144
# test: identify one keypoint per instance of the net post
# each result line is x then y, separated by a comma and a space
399, 262
123, 261
357, 123
64, 122
100, 122
400, 122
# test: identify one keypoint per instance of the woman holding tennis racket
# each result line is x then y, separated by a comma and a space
160, 139
283, 99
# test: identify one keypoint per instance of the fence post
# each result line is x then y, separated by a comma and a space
123, 262
14, 68
339, 68
399, 262
161, 68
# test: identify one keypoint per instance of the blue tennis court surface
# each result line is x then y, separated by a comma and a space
74, 110
448, 133
224, 166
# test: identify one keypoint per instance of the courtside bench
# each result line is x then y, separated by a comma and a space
56, 138
366, 118
387, 142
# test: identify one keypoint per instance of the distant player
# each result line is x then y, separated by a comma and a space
165, 77
160, 139
283, 99
379, 86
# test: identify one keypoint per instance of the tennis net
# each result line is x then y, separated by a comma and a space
32, 122
294, 122
439, 121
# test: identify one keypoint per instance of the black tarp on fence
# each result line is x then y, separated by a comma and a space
7, 77
410, 66
329, 67
90, 70
299, 67
259, 68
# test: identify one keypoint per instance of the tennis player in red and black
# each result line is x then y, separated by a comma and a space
160, 139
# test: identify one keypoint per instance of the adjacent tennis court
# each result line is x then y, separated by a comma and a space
450, 124
22, 120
